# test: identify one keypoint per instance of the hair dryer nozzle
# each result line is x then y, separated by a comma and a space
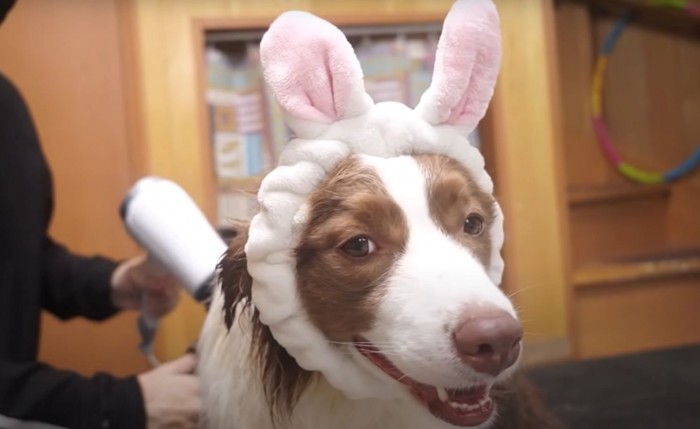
167, 223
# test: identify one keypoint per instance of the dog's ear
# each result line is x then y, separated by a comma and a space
236, 282
467, 62
283, 379
313, 72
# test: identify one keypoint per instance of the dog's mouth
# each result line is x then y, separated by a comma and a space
459, 407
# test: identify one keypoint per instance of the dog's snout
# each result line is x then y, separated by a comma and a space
488, 339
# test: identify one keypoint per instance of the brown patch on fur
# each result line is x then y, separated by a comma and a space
453, 195
341, 293
283, 380
520, 406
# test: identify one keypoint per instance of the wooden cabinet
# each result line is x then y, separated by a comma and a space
635, 249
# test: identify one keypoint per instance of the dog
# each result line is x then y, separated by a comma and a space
365, 293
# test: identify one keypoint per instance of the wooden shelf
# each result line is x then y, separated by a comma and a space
639, 268
584, 195
623, 300
668, 18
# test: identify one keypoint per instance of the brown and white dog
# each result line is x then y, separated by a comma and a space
365, 293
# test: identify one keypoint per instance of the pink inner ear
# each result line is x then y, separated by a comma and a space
460, 113
474, 101
312, 69
467, 65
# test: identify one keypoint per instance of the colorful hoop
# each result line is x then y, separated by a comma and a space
599, 125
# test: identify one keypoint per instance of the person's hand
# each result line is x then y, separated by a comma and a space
171, 395
135, 281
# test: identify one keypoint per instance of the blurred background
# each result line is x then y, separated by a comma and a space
599, 265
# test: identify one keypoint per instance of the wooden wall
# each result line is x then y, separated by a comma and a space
529, 172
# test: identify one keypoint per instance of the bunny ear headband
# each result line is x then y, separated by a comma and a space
315, 76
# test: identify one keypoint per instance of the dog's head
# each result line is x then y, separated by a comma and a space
375, 257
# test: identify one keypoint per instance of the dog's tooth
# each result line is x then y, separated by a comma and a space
464, 406
442, 393
485, 400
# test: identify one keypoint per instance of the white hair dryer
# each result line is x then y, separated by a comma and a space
164, 220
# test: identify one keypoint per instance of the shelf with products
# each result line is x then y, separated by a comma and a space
246, 131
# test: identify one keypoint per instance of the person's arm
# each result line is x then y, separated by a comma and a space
74, 285
96, 287
35, 393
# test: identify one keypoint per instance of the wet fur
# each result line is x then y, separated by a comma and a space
283, 380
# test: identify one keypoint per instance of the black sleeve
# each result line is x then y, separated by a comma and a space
75, 285
32, 393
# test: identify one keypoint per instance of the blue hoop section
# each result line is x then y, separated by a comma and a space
633, 173
684, 168
615, 34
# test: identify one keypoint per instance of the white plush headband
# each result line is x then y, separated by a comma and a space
313, 72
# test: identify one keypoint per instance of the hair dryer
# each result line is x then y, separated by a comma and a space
167, 223
164, 220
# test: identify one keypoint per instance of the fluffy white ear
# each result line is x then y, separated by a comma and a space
313, 72
467, 63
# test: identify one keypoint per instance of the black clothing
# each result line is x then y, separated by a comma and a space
36, 273
5, 6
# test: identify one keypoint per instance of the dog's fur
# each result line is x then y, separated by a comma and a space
366, 294
340, 296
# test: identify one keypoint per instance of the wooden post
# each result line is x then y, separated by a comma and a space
530, 177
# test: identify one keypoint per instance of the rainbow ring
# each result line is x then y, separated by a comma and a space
631, 172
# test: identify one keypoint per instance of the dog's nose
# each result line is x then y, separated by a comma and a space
488, 339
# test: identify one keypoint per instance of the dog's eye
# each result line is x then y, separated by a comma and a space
359, 246
474, 224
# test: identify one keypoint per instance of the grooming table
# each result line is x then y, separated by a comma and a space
653, 390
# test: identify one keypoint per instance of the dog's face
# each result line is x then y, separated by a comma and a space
375, 251
392, 267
